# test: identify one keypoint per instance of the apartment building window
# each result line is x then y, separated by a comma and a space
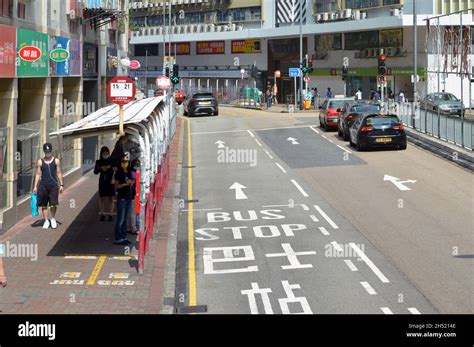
361, 4
5, 8
141, 50
21, 11
327, 6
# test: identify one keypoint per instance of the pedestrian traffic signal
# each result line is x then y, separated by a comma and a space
344, 73
382, 68
167, 71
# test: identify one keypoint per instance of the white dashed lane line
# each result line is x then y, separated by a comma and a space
268, 153
350, 264
251, 133
369, 263
314, 218
326, 217
315, 130
336, 246
281, 168
305, 207
368, 288
413, 310
258, 143
299, 188
386, 310
324, 231
344, 149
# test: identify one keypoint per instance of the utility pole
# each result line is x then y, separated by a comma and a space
146, 73
415, 62
301, 53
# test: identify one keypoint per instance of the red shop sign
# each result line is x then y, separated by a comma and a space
30, 53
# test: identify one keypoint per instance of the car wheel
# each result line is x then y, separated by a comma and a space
321, 125
345, 136
352, 144
216, 113
402, 147
339, 132
359, 147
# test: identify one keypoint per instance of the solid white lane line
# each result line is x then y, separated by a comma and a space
324, 231
299, 188
336, 246
305, 207
326, 217
413, 310
268, 153
369, 263
350, 264
315, 130
251, 133
258, 143
281, 168
329, 140
368, 288
314, 218
324, 137
344, 149
386, 310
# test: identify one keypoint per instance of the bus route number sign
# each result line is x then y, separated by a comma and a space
121, 90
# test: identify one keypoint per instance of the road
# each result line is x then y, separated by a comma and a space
279, 216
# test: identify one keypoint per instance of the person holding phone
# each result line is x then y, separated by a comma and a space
123, 185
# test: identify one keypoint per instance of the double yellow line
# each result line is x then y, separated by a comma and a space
191, 250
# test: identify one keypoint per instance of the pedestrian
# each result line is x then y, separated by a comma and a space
401, 96
377, 96
260, 97
119, 151
123, 184
358, 94
274, 94
3, 277
132, 225
329, 93
269, 96
104, 167
372, 94
48, 184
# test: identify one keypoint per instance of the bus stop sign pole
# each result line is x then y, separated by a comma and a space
120, 91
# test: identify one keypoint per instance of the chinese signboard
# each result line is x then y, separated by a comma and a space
182, 48
59, 55
210, 47
65, 56
39, 67
121, 90
246, 46
7, 51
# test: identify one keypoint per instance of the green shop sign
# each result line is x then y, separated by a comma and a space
37, 68
59, 55
368, 72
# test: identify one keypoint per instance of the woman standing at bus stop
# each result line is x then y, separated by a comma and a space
104, 166
123, 185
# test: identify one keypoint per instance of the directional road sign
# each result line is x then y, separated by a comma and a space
295, 72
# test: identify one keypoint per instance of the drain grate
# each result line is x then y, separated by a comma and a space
189, 201
191, 309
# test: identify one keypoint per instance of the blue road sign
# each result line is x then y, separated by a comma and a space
295, 72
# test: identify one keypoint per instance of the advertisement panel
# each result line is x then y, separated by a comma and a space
210, 47
182, 48
37, 68
7, 51
246, 46
391, 38
75, 58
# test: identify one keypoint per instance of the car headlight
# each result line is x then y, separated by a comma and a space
444, 107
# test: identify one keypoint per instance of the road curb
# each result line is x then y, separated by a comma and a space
169, 290
445, 150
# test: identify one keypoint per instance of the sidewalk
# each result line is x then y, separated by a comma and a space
78, 268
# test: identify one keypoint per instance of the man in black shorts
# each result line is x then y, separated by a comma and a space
50, 179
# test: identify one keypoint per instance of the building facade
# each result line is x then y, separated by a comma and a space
54, 66
214, 40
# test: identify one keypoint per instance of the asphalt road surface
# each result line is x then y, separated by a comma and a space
280, 216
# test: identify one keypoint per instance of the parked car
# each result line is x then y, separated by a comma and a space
201, 103
375, 130
179, 97
446, 103
349, 114
330, 111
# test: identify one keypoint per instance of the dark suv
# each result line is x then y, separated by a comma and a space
201, 103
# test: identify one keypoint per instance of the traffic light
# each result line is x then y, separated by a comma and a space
304, 67
310, 65
344, 73
175, 75
382, 69
167, 71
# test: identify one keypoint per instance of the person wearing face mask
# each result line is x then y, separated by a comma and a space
48, 184
123, 185
132, 225
103, 166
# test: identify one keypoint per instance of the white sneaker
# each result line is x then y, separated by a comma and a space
54, 224
46, 224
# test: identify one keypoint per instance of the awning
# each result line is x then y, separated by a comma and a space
107, 119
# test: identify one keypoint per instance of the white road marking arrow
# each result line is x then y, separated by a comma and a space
239, 193
399, 184
293, 140
220, 144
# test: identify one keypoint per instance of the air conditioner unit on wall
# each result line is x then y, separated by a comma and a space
319, 17
325, 17
347, 13
333, 16
357, 14
395, 12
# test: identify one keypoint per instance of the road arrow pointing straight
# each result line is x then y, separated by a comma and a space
396, 181
239, 194
293, 140
220, 144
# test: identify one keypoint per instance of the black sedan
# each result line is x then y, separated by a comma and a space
350, 113
376, 130
203, 103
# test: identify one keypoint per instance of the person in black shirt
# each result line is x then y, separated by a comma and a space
123, 185
103, 166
